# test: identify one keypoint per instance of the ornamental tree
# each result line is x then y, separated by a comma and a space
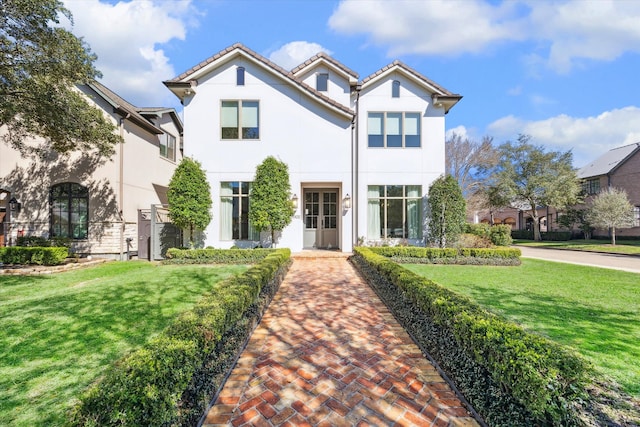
447, 211
270, 203
40, 65
611, 209
189, 197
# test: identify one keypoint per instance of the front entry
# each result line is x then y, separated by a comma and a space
320, 219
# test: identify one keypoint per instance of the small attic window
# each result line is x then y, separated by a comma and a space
240, 76
395, 89
322, 82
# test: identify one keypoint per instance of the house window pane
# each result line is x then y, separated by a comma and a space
69, 214
395, 89
250, 129
394, 129
412, 130
376, 129
229, 119
234, 212
322, 82
240, 76
636, 216
394, 211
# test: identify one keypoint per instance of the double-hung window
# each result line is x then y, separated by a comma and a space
240, 119
394, 211
168, 146
234, 212
393, 129
591, 186
69, 204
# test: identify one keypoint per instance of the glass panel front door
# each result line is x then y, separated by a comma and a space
320, 219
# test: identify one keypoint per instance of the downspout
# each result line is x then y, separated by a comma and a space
355, 128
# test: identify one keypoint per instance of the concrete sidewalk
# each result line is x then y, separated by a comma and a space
629, 263
328, 353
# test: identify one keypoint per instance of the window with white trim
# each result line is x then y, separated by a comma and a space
322, 82
168, 146
234, 212
394, 211
395, 89
393, 130
240, 76
240, 119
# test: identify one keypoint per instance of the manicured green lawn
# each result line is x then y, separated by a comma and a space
594, 310
631, 247
60, 331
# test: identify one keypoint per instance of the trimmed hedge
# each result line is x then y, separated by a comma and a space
510, 376
556, 236
473, 256
215, 256
33, 255
171, 380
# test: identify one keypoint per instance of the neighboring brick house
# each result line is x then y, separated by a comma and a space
361, 154
96, 202
618, 168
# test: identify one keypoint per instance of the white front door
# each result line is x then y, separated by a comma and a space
320, 219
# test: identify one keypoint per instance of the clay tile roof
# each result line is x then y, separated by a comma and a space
328, 58
286, 74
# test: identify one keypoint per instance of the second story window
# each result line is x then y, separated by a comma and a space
393, 130
395, 89
240, 76
168, 146
591, 186
322, 82
240, 119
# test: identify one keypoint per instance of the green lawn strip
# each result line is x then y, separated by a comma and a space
60, 331
629, 247
594, 310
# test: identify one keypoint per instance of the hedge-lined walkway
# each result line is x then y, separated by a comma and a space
328, 352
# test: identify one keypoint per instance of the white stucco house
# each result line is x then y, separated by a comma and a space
101, 204
361, 153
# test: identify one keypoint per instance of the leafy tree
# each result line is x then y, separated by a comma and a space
189, 197
490, 196
40, 65
469, 161
270, 204
576, 217
611, 209
534, 177
447, 211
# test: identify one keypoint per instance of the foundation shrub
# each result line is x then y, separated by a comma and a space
556, 236
467, 240
500, 235
33, 255
171, 380
481, 230
215, 256
510, 376
461, 256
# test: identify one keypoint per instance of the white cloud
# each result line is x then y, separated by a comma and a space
127, 37
586, 137
295, 53
561, 33
461, 131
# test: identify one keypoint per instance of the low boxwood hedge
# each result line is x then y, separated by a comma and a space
474, 256
510, 376
34, 255
172, 379
215, 256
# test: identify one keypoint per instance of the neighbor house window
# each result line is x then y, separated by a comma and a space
636, 216
591, 186
322, 82
395, 89
240, 119
69, 204
393, 130
168, 146
240, 76
234, 212
394, 211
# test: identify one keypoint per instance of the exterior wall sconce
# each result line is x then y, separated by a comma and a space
346, 202
294, 201
14, 206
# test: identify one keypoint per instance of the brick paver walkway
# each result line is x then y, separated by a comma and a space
328, 353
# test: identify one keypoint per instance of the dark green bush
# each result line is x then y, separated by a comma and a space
534, 380
27, 255
556, 236
215, 256
481, 230
461, 256
500, 235
522, 234
32, 241
171, 380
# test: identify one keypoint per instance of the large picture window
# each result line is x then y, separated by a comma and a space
69, 204
393, 130
234, 212
240, 119
394, 211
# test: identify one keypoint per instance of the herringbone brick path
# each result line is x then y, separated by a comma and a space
328, 353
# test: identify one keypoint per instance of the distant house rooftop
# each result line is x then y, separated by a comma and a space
609, 161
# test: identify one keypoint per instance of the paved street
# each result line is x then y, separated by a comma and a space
617, 262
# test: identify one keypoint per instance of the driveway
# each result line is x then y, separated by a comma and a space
629, 263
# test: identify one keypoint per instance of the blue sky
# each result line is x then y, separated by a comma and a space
565, 72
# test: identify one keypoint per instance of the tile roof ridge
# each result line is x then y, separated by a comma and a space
327, 57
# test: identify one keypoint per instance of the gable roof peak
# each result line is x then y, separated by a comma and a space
328, 58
